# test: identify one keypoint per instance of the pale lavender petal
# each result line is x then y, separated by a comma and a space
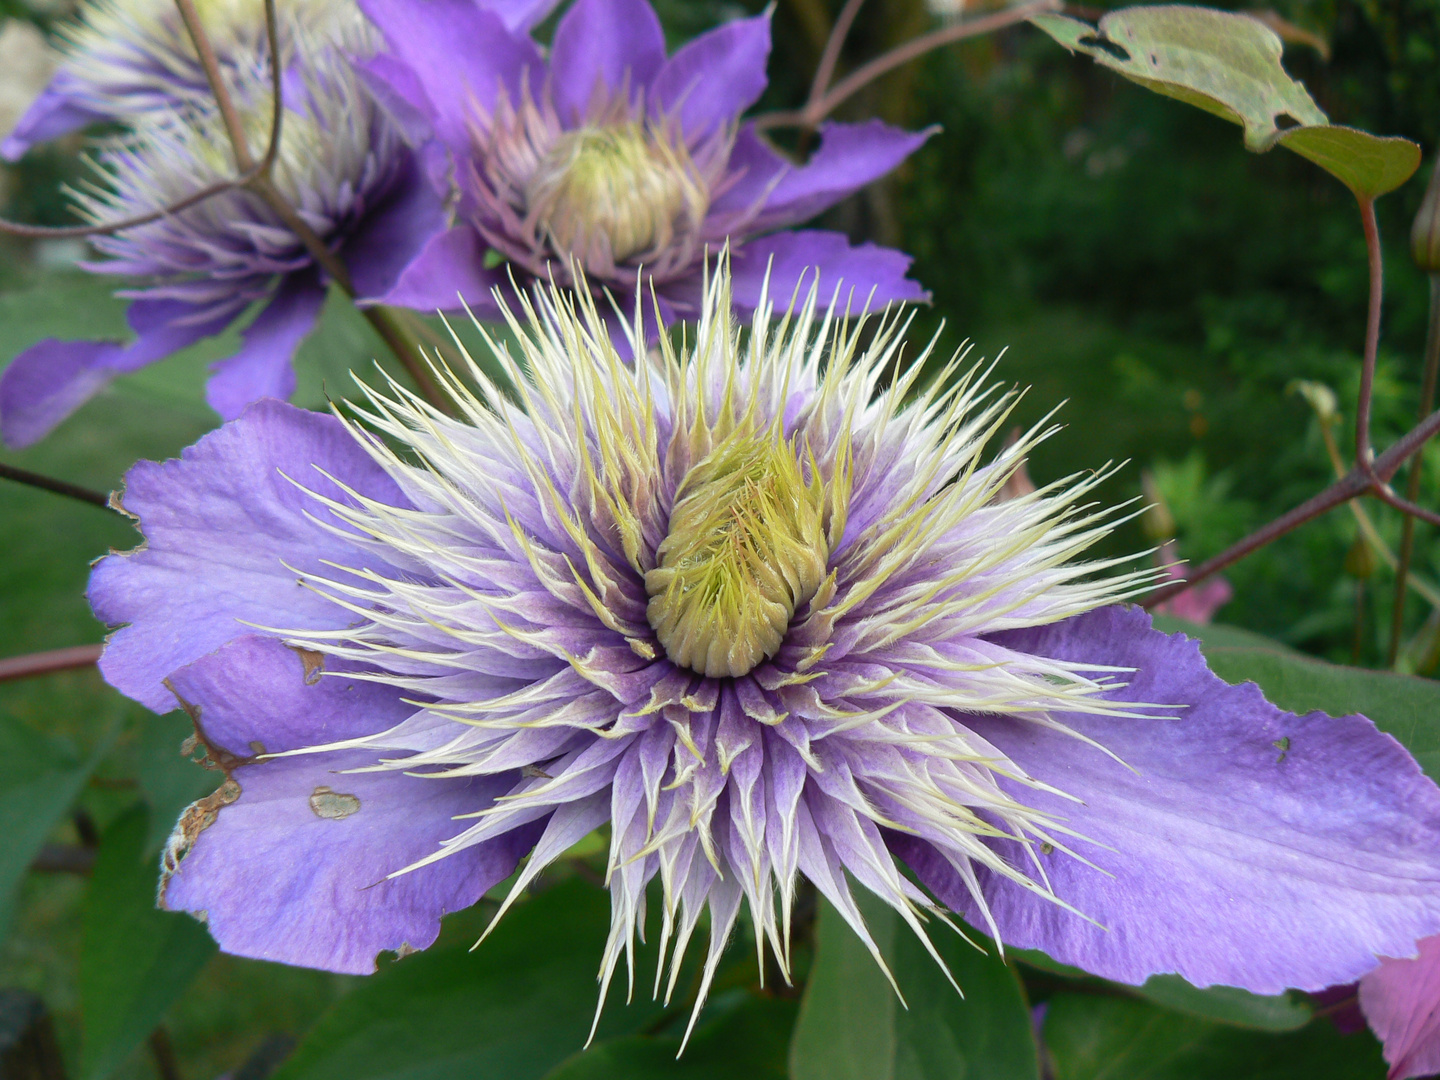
262, 368
1225, 853
51, 379
867, 276
400, 93
600, 46
449, 268
220, 524
57, 111
393, 232
461, 54
712, 80
521, 15
295, 870
850, 156
1401, 1000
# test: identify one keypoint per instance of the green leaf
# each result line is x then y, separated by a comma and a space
514, 1008
1090, 1037
747, 1041
1369, 165
1224, 63
39, 778
1228, 1004
1402, 705
136, 960
852, 1026
1229, 64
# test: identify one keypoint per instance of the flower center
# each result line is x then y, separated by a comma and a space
747, 545
608, 194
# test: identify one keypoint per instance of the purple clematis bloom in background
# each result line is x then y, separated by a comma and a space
761, 618
608, 157
131, 59
343, 164
1401, 1001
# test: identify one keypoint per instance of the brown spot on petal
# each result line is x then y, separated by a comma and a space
333, 805
314, 664
405, 949
257, 747
198, 817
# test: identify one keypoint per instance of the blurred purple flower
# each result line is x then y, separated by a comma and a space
1401, 1000
1198, 603
127, 60
609, 156
343, 164
760, 618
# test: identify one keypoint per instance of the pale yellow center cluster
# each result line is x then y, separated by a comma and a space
746, 546
612, 193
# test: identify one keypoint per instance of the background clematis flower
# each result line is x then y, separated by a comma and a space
1401, 1001
760, 616
609, 157
343, 165
125, 61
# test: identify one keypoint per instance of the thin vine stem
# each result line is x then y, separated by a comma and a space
825, 70
55, 487
1412, 480
1364, 452
28, 665
818, 108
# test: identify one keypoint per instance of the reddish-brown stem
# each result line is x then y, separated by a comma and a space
1412, 481
55, 487
229, 115
816, 110
1356, 482
43, 663
825, 70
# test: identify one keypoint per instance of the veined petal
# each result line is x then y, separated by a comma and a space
262, 368
600, 47
711, 80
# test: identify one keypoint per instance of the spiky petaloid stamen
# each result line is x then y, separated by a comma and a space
541, 534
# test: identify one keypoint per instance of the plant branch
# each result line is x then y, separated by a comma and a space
229, 115
1364, 453
825, 70
55, 487
816, 110
1412, 481
43, 663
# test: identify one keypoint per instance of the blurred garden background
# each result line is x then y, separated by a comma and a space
1130, 257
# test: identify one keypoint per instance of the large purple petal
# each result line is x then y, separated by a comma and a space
262, 368
450, 268
850, 156
521, 15
868, 276
53, 378
460, 54
1401, 1000
393, 232
295, 868
217, 523
56, 112
713, 79
600, 46
1223, 853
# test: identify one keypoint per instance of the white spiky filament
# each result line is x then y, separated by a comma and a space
518, 624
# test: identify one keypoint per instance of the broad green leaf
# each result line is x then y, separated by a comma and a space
852, 1026
1224, 63
1227, 1004
136, 960
40, 778
748, 1041
514, 1008
1369, 165
1402, 705
1229, 64
1091, 1037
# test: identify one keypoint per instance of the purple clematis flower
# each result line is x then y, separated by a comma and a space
761, 617
125, 61
345, 167
609, 158
1401, 1000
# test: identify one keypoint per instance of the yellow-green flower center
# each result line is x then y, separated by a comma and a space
607, 194
747, 545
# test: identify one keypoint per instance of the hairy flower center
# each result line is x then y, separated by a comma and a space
747, 545
607, 194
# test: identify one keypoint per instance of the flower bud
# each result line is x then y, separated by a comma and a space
1425, 233
746, 547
